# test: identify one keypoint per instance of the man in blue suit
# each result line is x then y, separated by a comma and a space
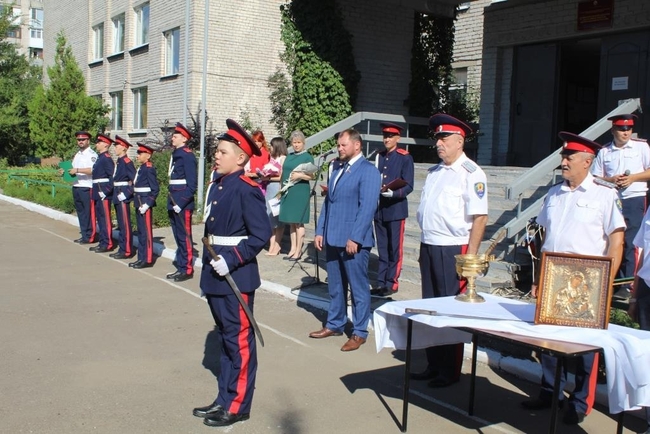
345, 229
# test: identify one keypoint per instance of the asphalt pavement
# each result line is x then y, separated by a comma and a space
90, 345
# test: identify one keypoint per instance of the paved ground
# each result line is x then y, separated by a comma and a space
89, 345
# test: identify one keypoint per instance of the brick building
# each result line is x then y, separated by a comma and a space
27, 32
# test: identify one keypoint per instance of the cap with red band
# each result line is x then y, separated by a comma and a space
622, 120
121, 141
82, 135
390, 128
180, 129
104, 138
237, 135
576, 143
445, 124
142, 148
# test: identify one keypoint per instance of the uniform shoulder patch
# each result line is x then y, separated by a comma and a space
127, 160
248, 180
148, 164
402, 151
601, 181
479, 189
186, 149
93, 159
469, 166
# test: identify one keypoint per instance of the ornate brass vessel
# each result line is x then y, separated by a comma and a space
471, 266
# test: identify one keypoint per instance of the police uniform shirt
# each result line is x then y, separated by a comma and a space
82, 160
451, 196
642, 241
579, 221
633, 156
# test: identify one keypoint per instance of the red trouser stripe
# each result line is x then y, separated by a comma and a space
126, 228
593, 381
400, 255
462, 282
245, 354
93, 217
149, 229
108, 224
188, 241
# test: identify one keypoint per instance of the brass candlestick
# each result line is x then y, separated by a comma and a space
471, 266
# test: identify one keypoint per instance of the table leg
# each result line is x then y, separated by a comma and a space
407, 375
472, 378
556, 393
619, 422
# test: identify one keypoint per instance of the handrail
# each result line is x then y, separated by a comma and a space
28, 181
548, 164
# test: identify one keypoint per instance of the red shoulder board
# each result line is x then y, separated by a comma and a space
148, 164
402, 151
248, 180
186, 149
127, 160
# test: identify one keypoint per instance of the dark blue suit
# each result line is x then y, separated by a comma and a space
183, 181
237, 209
103, 181
347, 214
145, 179
124, 174
391, 215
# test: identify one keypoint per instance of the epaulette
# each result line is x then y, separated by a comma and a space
469, 166
127, 160
637, 139
186, 149
148, 164
402, 151
106, 154
248, 180
601, 181
433, 168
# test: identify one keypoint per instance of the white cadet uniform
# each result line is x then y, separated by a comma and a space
580, 221
633, 156
84, 159
451, 196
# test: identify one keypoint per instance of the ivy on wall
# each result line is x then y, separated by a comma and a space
323, 80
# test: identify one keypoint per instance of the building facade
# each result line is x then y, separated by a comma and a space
27, 32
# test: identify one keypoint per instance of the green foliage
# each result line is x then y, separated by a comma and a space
160, 161
40, 194
62, 108
18, 82
319, 60
620, 317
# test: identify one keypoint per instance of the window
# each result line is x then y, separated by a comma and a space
142, 25
14, 29
172, 51
98, 42
36, 23
140, 108
116, 110
118, 34
460, 79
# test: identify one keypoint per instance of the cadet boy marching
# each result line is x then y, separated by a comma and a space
146, 191
122, 197
103, 194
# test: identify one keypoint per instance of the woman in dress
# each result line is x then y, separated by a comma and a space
294, 208
256, 163
272, 183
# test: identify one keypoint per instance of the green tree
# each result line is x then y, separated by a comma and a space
18, 82
63, 107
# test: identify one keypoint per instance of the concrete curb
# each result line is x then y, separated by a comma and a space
524, 369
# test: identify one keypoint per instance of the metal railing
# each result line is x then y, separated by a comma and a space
27, 182
548, 165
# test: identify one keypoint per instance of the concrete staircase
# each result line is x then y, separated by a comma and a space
502, 271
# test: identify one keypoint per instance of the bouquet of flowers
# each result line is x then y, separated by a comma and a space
306, 168
270, 169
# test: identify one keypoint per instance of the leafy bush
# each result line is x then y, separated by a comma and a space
41, 194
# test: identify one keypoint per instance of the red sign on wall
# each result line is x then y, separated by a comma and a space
595, 14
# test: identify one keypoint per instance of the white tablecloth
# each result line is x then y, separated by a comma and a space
627, 351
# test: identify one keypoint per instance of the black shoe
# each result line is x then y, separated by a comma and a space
143, 264
85, 241
622, 294
427, 374
182, 277
173, 275
441, 381
93, 249
118, 255
225, 418
382, 292
540, 404
78, 240
101, 249
573, 417
208, 411
133, 264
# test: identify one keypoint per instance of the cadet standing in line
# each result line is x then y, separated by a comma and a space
103, 194
395, 166
122, 197
237, 234
146, 191
82, 168
183, 181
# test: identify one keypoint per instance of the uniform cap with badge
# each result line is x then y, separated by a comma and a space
623, 122
142, 148
237, 135
390, 128
576, 143
442, 124
180, 129
123, 142
83, 135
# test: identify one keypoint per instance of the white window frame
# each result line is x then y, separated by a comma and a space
142, 14
36, 23
98, 42
140, 96
118, 33
117, 111
172, 51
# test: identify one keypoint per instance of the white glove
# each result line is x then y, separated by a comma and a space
177, 209
388, 193
121, 197
102, 195
220, 266
143, 208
